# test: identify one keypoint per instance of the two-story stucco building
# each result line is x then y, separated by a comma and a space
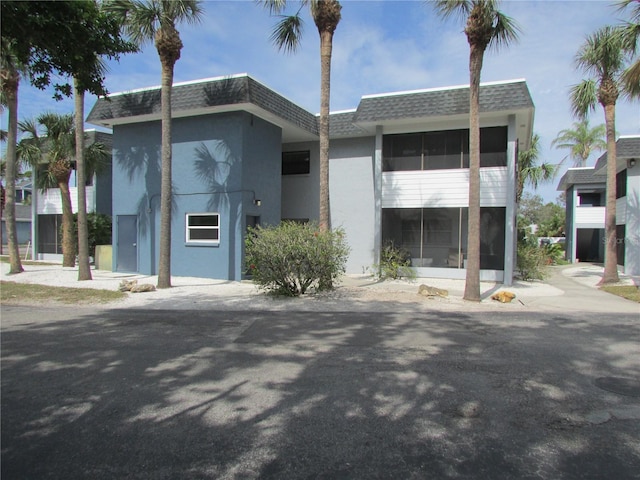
585, 190
243, 154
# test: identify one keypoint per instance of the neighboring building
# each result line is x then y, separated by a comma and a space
585, 209
628, 201
243, 155
47, 206
23, 213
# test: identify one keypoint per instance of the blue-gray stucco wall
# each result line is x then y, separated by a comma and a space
221, 163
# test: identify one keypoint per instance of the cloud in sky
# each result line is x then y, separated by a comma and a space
379, 46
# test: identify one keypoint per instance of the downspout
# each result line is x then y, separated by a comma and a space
510, 234
377, 196
34, 215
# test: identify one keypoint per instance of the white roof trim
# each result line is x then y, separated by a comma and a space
179, 84
441, 89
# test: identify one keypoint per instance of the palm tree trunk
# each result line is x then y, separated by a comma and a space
164, 264
610, 274
68, 240
84, 268
11, 92
326, 45
472, 283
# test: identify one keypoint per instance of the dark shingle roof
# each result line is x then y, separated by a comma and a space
342, 124
580, 176
626, 147
200, 95
449, 101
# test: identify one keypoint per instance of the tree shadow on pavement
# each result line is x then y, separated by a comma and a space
227, 395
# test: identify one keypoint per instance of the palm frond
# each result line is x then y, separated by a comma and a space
584, 97
288, 32
275, 7
505, 31
96, 156
178, 11
631, 80
456, 9
602, 53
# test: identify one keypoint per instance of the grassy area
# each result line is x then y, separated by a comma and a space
20, 293
630, 292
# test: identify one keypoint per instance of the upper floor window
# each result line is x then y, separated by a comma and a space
203, 228
443, 150
621, 184
296, 163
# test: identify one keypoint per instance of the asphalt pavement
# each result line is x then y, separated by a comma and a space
540, 390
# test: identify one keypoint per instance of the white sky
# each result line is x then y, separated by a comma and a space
380, 46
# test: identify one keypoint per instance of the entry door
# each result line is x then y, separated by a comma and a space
127, 260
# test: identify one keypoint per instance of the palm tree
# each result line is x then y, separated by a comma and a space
156, 20
287, 35
529, 172
581, 141
485, 27
603, 57
630, 32
84, 268
10, 79
53, 155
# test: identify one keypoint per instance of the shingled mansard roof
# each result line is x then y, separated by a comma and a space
627, 147
241, 92
580, 176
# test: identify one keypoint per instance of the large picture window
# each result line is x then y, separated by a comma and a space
447, 149
203, 228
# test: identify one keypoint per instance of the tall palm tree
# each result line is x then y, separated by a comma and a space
581, 141
146, 20
10, 80
602, 56
630, 32
529, 171
485, 27
287, 35
84, 268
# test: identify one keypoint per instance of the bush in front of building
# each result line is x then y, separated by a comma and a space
290, 258
395, 262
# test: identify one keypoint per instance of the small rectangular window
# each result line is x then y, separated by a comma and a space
296, 163
203, 228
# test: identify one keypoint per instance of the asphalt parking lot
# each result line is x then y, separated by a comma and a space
243, 394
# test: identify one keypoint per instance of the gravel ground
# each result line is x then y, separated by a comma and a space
353, 293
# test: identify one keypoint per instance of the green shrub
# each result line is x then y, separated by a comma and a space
395, 262
99, 229
532, 261
290, 258
554, 253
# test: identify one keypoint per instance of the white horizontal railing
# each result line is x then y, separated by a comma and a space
442, 188
50, 202
621, 211
592, 216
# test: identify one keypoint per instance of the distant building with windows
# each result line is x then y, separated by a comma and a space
585, 190
245, 155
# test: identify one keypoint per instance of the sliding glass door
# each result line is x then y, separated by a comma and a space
437, 237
